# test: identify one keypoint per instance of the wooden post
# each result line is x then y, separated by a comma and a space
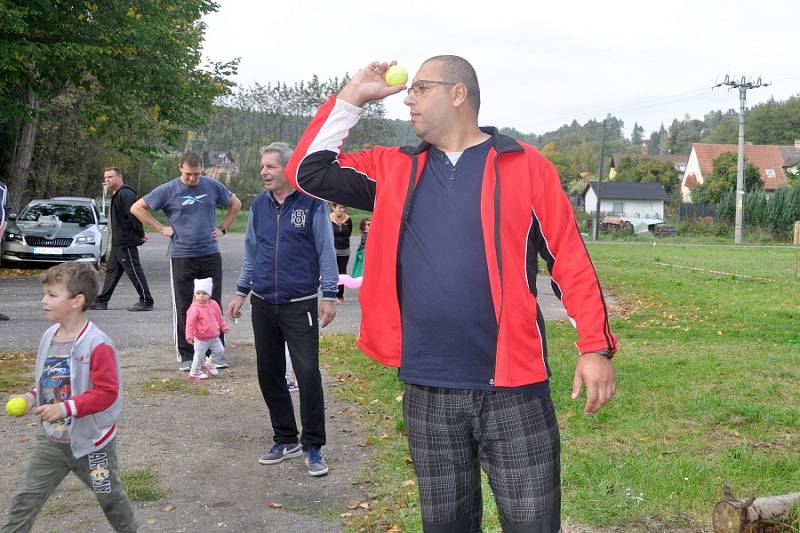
756, 515
796, 240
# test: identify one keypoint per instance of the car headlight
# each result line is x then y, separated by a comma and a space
85, 239
13, 236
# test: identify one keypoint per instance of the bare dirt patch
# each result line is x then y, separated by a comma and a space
203, 449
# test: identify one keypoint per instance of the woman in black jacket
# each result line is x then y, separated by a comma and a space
342, 229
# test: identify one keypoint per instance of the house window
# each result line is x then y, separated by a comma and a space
618, 208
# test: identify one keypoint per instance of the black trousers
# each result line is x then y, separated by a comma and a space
296, 324
341, 262
184, 270
124, 259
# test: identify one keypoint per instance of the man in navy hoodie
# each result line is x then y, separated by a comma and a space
288, 248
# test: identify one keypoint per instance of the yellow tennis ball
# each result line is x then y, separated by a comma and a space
16, 406
396, 75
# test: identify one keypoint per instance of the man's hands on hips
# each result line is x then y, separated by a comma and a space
597, 373
327, 312
368, 85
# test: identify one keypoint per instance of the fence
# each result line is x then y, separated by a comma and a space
696, 211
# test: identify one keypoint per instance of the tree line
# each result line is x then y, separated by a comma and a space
83, 86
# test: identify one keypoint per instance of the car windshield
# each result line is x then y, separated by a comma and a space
66, 213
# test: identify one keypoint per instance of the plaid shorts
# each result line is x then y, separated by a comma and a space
514, 436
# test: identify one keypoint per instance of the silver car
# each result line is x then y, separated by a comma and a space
64, 228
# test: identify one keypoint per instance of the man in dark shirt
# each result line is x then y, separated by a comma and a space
127, 233
463, 217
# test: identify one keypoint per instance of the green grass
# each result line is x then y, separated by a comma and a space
16, 371
170, 385
708, 379
140, 484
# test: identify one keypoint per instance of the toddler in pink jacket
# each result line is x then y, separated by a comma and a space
204, 323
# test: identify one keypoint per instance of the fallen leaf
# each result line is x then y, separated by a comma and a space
345, 515
167, 508
275, 505
393, 529
364, 505
353, 504
409, 483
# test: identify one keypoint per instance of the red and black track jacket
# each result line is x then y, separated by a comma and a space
524, 212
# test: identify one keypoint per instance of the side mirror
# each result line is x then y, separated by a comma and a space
12, 217
103, 220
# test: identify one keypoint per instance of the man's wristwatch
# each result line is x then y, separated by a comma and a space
609, 354
222, 229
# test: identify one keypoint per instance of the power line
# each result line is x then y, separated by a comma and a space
743, 85
641, 105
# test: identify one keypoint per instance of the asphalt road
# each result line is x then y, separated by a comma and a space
19, 299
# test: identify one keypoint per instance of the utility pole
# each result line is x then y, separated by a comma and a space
596, 225
742, 85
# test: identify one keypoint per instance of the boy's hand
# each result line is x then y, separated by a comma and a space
51, 412
190, 341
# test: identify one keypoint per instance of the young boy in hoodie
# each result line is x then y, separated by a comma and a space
78, 398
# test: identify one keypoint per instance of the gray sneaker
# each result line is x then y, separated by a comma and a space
315, 462
220, 362
280, 452
185, 366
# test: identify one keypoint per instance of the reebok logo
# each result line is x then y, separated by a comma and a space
191, 200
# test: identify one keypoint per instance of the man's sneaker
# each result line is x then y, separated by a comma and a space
141, 306
292, 385
279, 452
99, 306
185, 366
315, 463
221, 363
211, 369
196, 375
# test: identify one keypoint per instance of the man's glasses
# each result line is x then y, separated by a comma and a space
421, 86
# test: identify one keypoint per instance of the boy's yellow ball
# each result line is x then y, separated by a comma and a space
396, 75
16, 406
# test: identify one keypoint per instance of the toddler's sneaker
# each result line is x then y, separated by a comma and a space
292, 385
196, 375
210, 368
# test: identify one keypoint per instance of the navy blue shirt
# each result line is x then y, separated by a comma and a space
449, 325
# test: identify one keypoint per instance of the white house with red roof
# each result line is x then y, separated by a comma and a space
774, 162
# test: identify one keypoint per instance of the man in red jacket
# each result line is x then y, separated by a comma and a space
449, 293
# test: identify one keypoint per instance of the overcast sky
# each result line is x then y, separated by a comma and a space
539, 64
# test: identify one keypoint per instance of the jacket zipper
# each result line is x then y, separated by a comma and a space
498, 252
404, 217
277, 244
